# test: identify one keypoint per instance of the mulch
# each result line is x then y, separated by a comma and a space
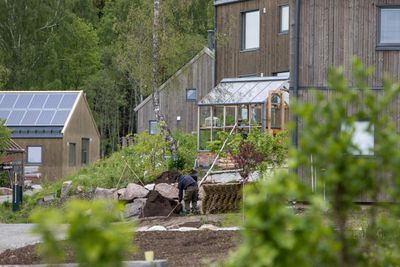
195, 248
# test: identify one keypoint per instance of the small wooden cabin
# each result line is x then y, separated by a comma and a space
56, 129
179, 96
243, 104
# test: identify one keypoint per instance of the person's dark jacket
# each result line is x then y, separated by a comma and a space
183, 183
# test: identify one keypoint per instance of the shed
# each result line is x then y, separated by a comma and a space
55, 128
179, 95
12, 161
243, 104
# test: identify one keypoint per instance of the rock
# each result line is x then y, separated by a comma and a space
46, 200
134, 191
119, 193
208, 227
104, 193
150, 186
28, 183
135, 208
142, 229
5, 191
186, 229
36, 188
65, 188
157, 228
79, 189
166, 190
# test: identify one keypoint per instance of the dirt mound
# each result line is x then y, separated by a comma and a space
157, 205
168, 177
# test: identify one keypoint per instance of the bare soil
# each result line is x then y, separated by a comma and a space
195, 248
168, 177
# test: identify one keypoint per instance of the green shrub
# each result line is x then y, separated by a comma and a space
93, 233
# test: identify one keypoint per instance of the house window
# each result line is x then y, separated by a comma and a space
389, 27
250, 30
72, 154
362, 139
153, 127
191, 94
34, 155
85, 151
284, 19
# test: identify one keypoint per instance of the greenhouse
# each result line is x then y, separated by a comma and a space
241, 105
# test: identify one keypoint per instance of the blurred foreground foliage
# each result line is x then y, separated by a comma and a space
335, 153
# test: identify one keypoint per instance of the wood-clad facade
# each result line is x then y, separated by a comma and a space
273, 54
180, 113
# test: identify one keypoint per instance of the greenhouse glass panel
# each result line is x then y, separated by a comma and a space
205, 112
256, 115
205, 137
230, 116
218, 114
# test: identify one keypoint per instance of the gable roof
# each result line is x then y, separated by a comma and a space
205, 50
251, 90
32, 110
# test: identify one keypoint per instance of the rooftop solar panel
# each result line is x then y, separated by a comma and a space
36, 108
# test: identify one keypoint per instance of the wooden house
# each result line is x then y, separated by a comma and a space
252, 38
179, 96
55, 128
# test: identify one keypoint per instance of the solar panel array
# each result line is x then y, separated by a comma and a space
36, 108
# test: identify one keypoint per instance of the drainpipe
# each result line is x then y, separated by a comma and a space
295, 67
215, 45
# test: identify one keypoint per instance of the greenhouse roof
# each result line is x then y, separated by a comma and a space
254, 90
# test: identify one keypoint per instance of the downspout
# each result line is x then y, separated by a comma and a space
295, 67
215, 45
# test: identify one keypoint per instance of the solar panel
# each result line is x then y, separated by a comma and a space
23, 101
67, 101
36, 108
15, 117
53, 101
45, 117
8, 101
38, 101
30, 117
60, 117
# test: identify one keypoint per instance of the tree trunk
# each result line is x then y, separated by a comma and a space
165, 130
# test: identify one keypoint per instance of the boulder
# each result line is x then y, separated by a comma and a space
157, 228
134, 191
167, 190
36, 187
65, 188
79, 189
149, 186
104, 193
119, 193
5, 191
135, 208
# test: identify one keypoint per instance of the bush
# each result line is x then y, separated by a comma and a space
93, 234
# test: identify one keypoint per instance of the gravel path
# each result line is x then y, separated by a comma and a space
19, 235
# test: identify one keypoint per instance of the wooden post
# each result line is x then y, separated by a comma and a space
269, 108
282, 111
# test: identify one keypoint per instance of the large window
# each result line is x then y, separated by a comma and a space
85, 151
153, 127
250, 30
389, 27
34, 155
284, 19
71, 154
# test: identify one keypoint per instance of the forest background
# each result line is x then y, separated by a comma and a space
100, 46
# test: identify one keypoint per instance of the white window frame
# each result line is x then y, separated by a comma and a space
246, 35
282, 29
188, 99
35, 159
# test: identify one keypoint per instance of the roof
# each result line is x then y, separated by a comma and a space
37, 112
249, 90
205, 50
224, 2
13, 147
